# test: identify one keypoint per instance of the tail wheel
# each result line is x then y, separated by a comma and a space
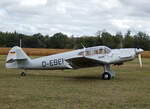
23, 74
106, 76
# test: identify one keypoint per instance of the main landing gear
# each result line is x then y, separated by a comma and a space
108, 74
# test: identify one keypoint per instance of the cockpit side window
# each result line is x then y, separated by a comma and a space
95, 52
100, 51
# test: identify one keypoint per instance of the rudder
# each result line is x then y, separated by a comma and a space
16, 57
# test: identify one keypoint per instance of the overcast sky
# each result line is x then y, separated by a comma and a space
77, 17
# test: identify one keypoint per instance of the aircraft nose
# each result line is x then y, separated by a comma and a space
139, 50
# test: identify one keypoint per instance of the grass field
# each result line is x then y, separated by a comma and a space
76, 89
46, 52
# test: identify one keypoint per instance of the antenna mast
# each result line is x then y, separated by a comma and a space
20, 42
84, 48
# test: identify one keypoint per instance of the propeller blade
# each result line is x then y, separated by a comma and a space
140, 60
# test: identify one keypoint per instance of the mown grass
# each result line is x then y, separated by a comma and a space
46, 52
76, 89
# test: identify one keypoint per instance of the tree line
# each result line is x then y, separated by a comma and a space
62, 41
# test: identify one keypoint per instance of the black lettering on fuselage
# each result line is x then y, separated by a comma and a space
43, 63
60, 61
53, 62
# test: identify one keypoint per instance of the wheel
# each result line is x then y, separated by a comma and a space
23, 74
106, 76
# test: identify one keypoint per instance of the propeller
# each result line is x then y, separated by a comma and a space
138, 51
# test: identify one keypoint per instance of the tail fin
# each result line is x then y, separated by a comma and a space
16, 58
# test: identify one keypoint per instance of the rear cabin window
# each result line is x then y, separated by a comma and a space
95, 52
81, 53
87, 53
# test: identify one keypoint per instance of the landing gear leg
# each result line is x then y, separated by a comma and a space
108, 74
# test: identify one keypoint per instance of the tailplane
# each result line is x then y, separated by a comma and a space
16, 58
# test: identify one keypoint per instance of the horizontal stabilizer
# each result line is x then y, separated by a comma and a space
13, 60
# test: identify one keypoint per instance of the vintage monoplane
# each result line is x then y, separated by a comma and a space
81, 58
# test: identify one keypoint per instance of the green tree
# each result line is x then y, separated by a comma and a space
59, 40
142, 40
108, 40
128, 40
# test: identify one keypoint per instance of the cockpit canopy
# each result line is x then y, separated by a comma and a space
95, 50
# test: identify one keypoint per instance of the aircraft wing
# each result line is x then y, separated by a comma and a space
82, 62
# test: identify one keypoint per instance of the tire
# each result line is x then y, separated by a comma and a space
23, 74
106, 76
